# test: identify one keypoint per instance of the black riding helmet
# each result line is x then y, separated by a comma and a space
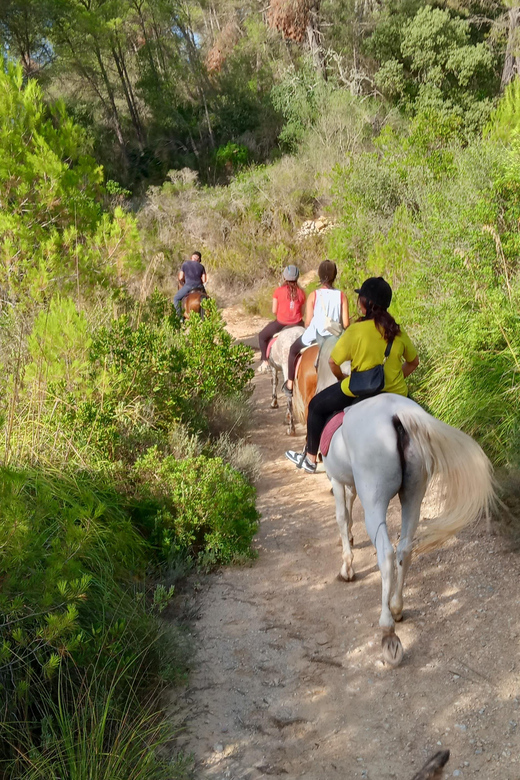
376, 290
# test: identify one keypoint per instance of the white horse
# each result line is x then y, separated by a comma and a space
387, 446
278, 361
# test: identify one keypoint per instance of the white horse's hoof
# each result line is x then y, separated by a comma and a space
291, 432
397, 610
392, 649
346, 573
274, 404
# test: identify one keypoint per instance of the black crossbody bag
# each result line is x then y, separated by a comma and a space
364, 384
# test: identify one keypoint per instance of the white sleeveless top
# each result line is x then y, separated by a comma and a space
327, 304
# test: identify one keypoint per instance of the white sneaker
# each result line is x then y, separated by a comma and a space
308, 466
295, 457
263, 368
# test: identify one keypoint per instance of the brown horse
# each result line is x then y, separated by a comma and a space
193, 303
305, 382
308, 380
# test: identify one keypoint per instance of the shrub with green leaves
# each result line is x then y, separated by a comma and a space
54, 233
443, 228
205, 508
72, 571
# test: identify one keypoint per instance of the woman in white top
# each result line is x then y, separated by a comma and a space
323, 305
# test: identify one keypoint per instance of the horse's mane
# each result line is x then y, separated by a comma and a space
325, 378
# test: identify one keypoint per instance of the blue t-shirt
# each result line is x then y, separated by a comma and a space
193, 271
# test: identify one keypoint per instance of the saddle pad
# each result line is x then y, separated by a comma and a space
270, 345
329, 431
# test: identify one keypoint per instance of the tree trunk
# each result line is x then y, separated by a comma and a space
314, 39
128, 92
512, 59
111, 99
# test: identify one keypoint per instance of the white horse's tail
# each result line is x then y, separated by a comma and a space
462, 470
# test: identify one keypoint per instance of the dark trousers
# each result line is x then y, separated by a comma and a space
322, 406
265, 335
295, 350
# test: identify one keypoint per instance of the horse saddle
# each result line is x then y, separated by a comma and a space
199, 291
330, 429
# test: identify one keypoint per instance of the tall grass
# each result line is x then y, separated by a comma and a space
90, 732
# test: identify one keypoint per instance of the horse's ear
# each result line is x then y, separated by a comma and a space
432, 769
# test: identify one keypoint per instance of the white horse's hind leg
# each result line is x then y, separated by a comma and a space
411, 498
350, 495
375, 519
274, 386
344, 497
289, 417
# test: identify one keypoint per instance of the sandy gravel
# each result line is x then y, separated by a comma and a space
288, 679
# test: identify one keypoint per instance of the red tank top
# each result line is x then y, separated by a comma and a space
289, 312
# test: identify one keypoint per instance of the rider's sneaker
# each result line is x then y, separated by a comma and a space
286, 390
263, 368
308, 466
295, 457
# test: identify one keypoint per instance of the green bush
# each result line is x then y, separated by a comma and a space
443, 228
73, 586
205, 509
55, 230
92, 395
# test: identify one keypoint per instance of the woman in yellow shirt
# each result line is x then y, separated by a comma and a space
364, 344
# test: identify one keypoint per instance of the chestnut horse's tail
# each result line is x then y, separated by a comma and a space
454, 461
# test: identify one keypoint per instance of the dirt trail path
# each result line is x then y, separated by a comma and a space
288, 679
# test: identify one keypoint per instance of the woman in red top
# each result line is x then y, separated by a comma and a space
288, 303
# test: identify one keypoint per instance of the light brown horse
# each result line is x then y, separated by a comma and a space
305, 382
308, 380
193, 303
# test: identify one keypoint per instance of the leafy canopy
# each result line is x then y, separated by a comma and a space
53, 232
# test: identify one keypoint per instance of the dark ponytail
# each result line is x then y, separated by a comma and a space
384, 321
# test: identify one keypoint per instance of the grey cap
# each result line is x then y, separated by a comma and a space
291, 273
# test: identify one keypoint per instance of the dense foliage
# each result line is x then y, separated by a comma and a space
111, 478
418, 199
161, 84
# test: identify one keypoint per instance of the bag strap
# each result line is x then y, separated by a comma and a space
387, 350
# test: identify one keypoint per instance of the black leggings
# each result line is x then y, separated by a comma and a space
295, 350
322, 406
265, 335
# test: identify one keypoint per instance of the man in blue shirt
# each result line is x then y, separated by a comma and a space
193, 276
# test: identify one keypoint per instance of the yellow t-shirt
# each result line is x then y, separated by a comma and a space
363, 344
